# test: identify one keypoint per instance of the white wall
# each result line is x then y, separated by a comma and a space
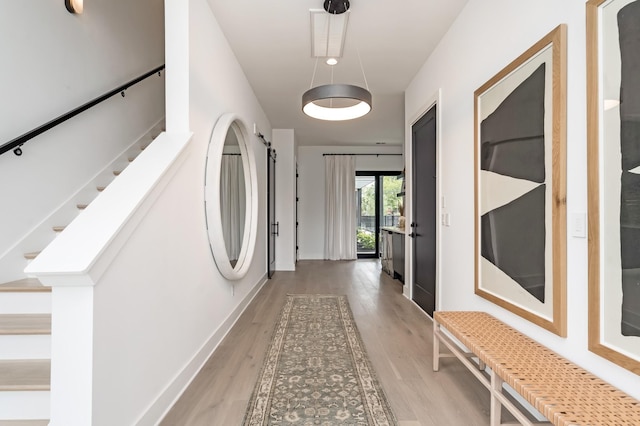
190, 305
311, 188
153, 304
284, 142
487, 36
52, 62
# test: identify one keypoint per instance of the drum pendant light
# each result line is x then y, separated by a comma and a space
361, 99
337, 102
336, 7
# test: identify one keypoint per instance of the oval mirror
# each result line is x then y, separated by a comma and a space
230, 194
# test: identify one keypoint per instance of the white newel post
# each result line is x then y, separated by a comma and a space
72, 356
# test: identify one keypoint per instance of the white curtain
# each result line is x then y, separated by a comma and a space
232, 204
340, 207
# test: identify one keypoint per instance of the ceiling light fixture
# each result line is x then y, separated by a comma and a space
358, 98
336, 102
332, 61
74, 6
327, 33
336, 7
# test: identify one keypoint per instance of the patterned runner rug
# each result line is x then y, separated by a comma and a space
316, 371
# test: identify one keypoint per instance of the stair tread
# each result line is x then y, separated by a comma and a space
26, 284
31, 255
57, 229
24, 422
23, 324
81, 206
25, 375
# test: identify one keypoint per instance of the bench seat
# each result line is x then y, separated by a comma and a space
563, 392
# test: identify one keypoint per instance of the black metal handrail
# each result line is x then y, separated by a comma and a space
16, 143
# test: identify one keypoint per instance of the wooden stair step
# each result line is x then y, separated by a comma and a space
25, 375
100, 188
57, 229
117, 172
26, 285
81, 206
25, 324
24, 422
32, 255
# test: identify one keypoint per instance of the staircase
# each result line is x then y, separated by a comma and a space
25, 310
25, 342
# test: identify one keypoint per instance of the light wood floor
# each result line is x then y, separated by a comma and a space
396, 333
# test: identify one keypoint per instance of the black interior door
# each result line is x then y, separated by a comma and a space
424, 211
272, 224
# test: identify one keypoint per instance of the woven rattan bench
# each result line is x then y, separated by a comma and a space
563, 392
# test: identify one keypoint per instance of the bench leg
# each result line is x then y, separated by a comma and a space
436, 346
496, 406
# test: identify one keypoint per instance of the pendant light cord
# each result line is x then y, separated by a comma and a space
366, 84
313, 76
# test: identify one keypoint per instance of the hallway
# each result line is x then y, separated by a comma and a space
396, 333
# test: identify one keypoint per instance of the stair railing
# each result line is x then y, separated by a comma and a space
16, 144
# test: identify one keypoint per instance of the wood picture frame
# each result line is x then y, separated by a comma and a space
613, 139
520, 185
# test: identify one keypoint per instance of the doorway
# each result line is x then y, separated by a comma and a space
377, 205
423, 226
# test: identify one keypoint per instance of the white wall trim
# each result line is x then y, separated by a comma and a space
177, 53
165, 401
434, 100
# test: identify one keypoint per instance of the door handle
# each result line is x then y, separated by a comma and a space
411, 234
413, 224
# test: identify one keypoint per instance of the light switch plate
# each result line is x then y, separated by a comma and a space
579, 225
445, 219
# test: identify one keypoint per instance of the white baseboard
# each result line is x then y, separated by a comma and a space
161, 406
285, 267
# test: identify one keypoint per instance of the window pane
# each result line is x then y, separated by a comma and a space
366, 210
391, 203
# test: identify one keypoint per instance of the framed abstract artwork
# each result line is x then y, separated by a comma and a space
520, 185
613, 130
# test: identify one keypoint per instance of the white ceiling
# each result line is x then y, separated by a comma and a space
272, 42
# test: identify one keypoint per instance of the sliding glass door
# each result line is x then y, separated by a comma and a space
377, 205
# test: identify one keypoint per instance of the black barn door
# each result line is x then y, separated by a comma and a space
272, 225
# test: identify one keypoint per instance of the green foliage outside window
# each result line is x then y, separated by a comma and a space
366, 239
391, 186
